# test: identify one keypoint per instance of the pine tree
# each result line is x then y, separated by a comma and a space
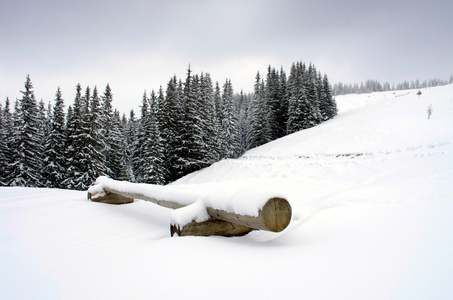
130, 141
151, 168
297, 99
229, 132
209, 123
331, 106
73, 142
260, 115
175, 124
54, 159
218, 110
84, 157
273, 102
193, 158
3, 150
93, 161
109, 138
163, 122
138, 151
244, 122
27, 162
115, 160
8, 140
312, 112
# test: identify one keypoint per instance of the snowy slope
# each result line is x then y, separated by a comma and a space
372, 199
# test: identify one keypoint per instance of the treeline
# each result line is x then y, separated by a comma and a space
191, 125
375, 86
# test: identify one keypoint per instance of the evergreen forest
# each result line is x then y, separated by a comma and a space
188, 126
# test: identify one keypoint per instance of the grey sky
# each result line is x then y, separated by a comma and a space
137, 45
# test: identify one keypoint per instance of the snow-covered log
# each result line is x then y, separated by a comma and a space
199, 209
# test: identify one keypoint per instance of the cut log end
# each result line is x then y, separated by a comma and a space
276, 214
110, 198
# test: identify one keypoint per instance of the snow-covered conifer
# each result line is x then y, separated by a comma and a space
27, 160
54, 150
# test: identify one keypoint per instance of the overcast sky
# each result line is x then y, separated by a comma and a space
137, 45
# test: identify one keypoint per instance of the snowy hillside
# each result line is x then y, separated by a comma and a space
372, 199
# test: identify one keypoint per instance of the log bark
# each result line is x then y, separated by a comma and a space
111, 198
210, 227
274, 216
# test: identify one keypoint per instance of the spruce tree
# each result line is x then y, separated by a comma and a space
115, 161
297, 99
8, 140
138, 150
192, 136
260, 115
27, 164
229, 132
3, 150
175, 151
209, 122
151, 168
73, 142
130, 142
54, 148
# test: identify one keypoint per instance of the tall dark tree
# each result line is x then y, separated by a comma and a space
115, 161
245, 124
209, 122
261, 132
312, 112
131, 132
151, 167
54, 149
138, 151
27, 162
86, 161
3, 150
297, 99
110, 130
330, 103
229, 132
8, 140
175, 150
273, 102
192, 136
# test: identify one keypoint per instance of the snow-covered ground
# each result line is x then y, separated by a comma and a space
372, 198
